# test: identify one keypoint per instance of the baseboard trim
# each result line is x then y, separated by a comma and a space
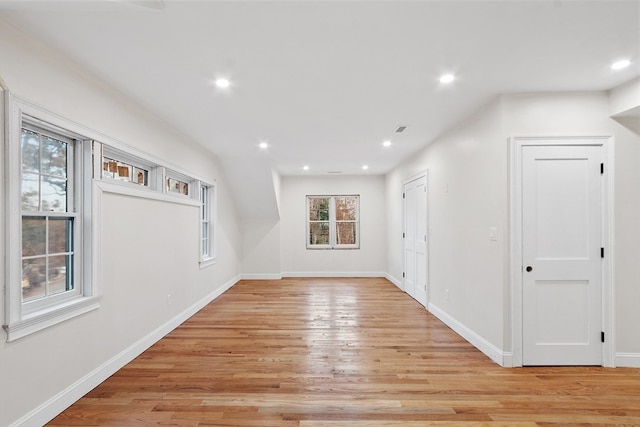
494, 353
395, 281
333, 274
61, 401
628, 360
261, 276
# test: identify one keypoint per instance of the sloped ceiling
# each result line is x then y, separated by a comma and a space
326, 82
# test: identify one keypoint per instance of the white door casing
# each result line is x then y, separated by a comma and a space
415, 238
560, 222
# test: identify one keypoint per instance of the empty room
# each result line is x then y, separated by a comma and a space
320, 213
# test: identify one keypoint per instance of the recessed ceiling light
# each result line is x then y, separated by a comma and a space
620, 64
447, 78
223, 83
263, 145
365, 167
387, 143
305, 167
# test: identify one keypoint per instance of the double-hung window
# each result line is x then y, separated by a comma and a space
49, 272
333, 222
207, 198
49, 218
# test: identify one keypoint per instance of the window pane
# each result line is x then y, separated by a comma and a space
346, 233
30, 192
177, 186
319, 233
33, 236
54, 157
54, 194
140, 176
33, 279
30, 151
59, 280
60, 235
319, 209
345, 208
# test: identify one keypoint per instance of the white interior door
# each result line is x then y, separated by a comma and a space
415, 239
562, 264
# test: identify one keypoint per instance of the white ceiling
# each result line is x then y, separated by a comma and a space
326, 82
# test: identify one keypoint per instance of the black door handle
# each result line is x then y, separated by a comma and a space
529, 269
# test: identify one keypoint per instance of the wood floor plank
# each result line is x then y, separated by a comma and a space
341, 353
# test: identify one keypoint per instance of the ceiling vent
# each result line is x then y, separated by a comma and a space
400, 129
334, 172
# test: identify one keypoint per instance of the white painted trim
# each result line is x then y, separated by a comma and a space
490, 350
207, 262
515, 145
628, 360
424, 174
269, 276
125, 189
393, 280
18, 321
58, 403
333, 274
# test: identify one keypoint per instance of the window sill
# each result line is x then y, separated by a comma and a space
206, 262
52, 316
134, 190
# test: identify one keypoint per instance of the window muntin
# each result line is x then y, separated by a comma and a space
333, 222
48, 218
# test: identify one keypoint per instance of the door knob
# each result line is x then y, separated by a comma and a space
529, 269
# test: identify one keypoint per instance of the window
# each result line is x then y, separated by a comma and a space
124, 167
333, 222
176, 183
115, 169
206, 224
48, 215
49, 238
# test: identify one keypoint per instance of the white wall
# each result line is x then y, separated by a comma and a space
467, 194
588, 114
625, 98
369, 260
261, 249
149, 248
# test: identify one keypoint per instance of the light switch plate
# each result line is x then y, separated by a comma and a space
493, 234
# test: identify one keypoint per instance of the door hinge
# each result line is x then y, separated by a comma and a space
403, 235
403, 195
601, 168
601, 252
403, 274
602, 336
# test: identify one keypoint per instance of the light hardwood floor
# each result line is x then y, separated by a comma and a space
341, 352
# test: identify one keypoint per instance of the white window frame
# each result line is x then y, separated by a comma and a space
22, 319
103, 150
332, 223
192, 190
207, 216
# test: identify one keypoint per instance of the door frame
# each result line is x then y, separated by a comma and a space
424, 174
515, 219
